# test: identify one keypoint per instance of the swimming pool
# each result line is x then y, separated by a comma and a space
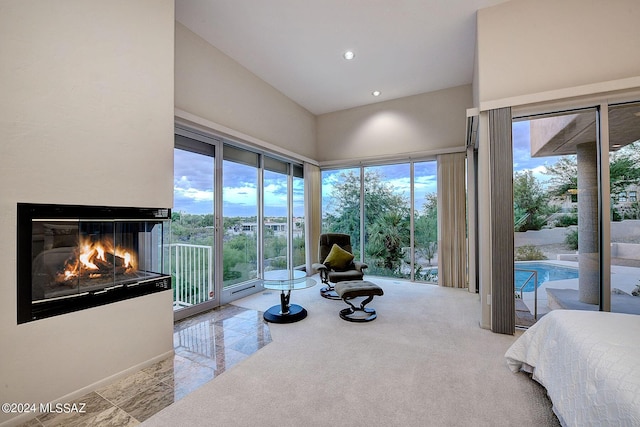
546, 273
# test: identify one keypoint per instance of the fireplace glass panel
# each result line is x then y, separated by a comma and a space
71, 258
75, 257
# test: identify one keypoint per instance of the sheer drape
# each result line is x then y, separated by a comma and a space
312, 213
452, 242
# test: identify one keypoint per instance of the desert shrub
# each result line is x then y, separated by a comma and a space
571, 239
528, 253
567, 220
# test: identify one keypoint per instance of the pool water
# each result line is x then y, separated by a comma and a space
546, 273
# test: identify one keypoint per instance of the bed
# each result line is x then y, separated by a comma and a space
589, 363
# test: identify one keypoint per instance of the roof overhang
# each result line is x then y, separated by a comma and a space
560, 135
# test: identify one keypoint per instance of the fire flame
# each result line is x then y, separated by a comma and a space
92, 259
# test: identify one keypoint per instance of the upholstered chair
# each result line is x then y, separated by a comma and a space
336, 263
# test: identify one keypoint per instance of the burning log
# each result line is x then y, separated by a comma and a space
95, 260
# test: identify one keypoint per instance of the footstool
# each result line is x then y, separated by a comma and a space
353, 289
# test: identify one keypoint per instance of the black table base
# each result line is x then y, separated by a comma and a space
294, 314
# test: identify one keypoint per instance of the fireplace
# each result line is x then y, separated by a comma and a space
73, 257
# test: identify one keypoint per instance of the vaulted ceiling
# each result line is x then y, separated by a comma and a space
402, 47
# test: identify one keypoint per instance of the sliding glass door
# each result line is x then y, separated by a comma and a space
240, 198
276, 219
237, 213
425, 214
576, 211
387, 226
192, 245
624, 182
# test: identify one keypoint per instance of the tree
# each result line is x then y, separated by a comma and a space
387, 236
385, 215
564, 176
344, 214
530, 201
426, 228
624, 169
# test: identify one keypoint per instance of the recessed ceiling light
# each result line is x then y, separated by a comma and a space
376, 93
349, 55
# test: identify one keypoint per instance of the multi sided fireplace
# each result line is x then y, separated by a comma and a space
75, 257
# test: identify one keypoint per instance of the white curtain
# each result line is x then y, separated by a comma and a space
452, 242
312, 213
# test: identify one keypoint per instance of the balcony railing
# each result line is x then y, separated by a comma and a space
192, 274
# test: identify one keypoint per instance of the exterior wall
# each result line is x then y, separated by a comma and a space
212, 86
422, 123
86, 118
533, 46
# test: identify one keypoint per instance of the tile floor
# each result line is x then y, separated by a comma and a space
205, 345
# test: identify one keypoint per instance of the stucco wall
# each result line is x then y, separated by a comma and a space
212, 86
86, 117
422, 123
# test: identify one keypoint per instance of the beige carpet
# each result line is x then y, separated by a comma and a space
423, 362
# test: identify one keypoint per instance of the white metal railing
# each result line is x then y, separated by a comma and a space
192, 269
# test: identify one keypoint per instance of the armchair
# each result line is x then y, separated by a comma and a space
336, 263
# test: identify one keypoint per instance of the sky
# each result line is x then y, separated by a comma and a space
194, 175
522, 160
194, 182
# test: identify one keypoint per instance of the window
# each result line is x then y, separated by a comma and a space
233, 219
381, 211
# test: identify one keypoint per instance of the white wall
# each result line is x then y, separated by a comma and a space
422, 123
86, 117
534, 46
214, 87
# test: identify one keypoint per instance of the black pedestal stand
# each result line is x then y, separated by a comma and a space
285, 312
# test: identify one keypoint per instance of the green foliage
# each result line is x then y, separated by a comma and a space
571, 239
633, 211
624, 169
567, 220
298, 251
528, 253
344, 214
278, 263
387, 236
426, 228
564, 175
275, 246
615, 215
530, 202
387, 221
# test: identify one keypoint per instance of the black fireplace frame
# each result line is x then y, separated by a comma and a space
27, 310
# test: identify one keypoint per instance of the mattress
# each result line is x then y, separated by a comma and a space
589, 363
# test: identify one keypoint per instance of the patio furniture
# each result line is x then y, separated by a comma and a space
353, 289
336, 263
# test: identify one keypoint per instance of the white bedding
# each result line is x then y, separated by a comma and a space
588, 361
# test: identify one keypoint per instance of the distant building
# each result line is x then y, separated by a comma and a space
278, 228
